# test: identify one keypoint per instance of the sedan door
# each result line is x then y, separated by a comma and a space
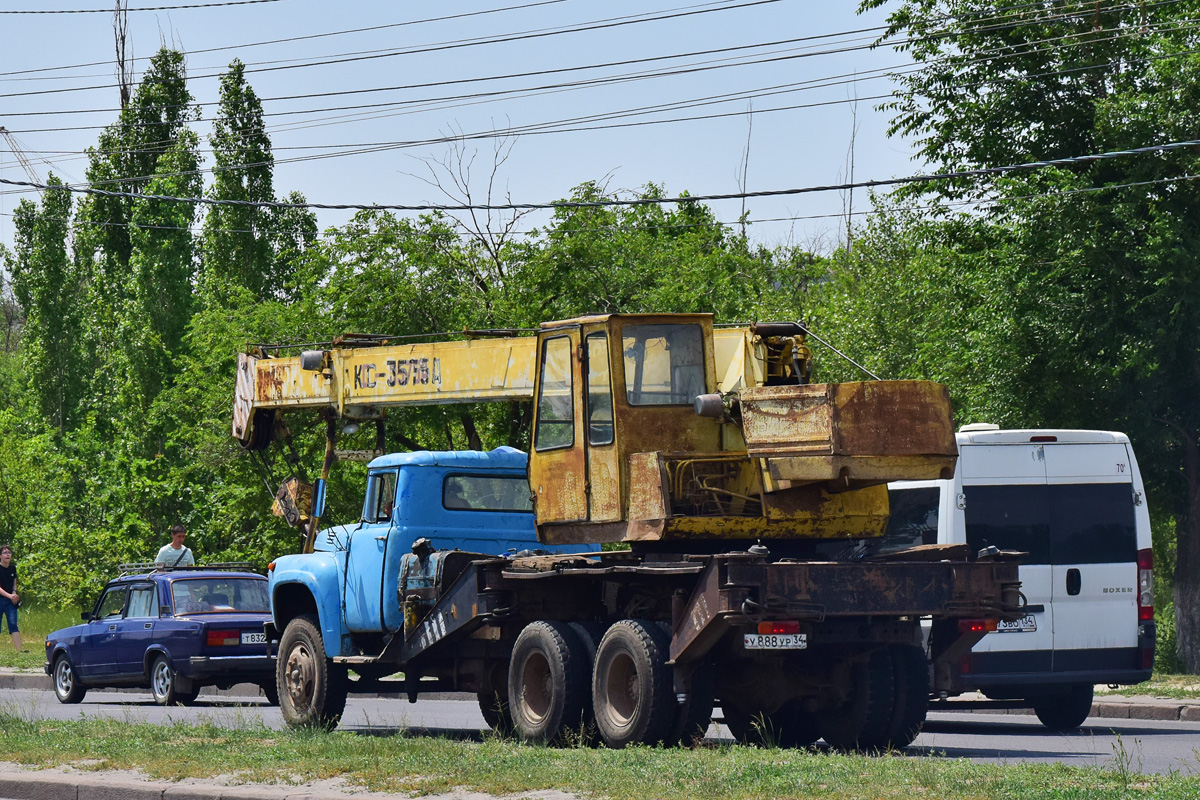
136, 631
98, 657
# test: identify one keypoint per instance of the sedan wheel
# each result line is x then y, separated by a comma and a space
66, 686
164, 686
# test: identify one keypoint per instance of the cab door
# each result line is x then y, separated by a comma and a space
558, 464
366, 551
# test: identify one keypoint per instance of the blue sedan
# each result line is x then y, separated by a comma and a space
172, 631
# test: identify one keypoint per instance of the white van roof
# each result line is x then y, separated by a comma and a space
1027, 435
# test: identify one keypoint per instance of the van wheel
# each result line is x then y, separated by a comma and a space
547, 682
312, 689
1065, 711
862, 721
632, 686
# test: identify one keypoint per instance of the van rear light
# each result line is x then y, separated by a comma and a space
779, 627
1145, 585
223, 638
1043, 438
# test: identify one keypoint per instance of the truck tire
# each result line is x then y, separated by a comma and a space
1065, 710
862, 721
547, 683
67, 687
312, 689
164, 686
694, 714
496, 713
788, 726
632, 686
911, 695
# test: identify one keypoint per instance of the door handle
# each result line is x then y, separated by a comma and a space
1074, 581
381, 538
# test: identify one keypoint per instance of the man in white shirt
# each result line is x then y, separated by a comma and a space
175, 554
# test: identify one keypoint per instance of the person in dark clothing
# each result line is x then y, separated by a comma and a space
9, 599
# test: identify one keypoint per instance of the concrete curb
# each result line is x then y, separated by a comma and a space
30, 785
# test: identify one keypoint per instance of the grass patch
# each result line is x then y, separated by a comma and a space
426, 765
35, 622
1175, 687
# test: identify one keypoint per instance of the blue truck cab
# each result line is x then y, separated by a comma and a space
471, 501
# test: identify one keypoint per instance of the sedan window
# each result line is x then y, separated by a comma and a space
113, 602
201, 595
143, 602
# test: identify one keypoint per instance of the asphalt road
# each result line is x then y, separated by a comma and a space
1146, 746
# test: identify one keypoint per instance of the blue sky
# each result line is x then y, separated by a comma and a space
823, 44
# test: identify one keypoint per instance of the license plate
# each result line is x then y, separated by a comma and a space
775, 641
253, 638
1022, 625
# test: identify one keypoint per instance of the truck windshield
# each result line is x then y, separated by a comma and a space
664, 364
486, 493
201, 595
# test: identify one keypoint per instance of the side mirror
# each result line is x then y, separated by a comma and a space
318, 509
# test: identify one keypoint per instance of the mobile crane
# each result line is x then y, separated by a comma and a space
746, 499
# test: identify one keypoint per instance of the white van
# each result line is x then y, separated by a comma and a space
1074, 500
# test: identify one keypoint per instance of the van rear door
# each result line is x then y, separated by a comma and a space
1094, 555
1006, 505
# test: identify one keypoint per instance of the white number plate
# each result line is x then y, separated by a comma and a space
253, 638
1026, 623
776, 641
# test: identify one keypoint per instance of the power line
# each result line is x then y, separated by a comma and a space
150, 8
211, 201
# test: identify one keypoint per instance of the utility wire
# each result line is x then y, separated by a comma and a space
150, 8
646, 201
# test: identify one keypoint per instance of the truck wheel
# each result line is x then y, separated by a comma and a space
164, 686
496, 713
912, 695
694, 715
788, 726
547, 682
632, 686
1066, 710
312, 689
862, 721
67, 687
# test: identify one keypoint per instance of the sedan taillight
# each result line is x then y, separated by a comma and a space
223, 638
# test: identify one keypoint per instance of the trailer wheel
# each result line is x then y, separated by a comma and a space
632, 686
912, 695
1065, 710
312, 689
496, 712
547, 682
862, 721
788, 726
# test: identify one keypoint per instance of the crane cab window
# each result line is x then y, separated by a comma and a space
664, 364
599, 391
556, 408
381, 497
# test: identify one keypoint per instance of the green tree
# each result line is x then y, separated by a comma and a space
47, 286
1109, 312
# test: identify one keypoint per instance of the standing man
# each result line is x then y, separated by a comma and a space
8, 594
175, 554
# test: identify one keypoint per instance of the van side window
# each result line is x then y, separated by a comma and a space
913, 520
1012, 517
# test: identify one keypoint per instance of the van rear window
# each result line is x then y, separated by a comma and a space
1086, 523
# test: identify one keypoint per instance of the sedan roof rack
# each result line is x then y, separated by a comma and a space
151, 566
